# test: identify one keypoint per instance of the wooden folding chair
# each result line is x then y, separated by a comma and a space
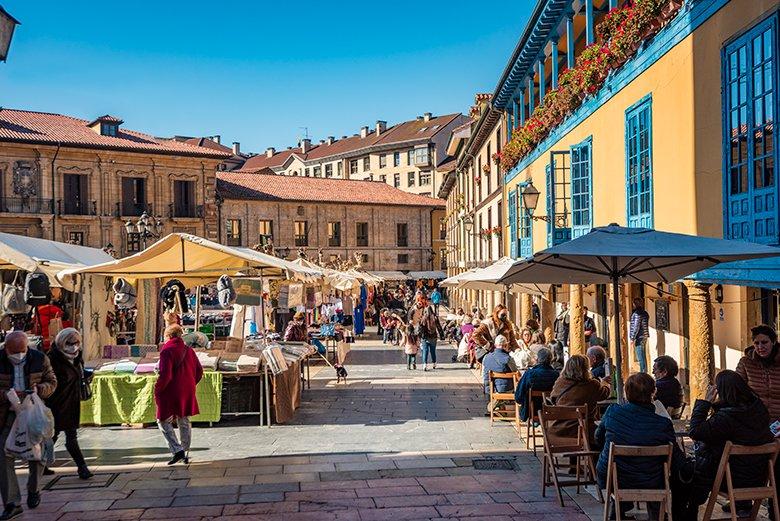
533, 416
502, 414
577, 447
676, 412
756, 494
616, 494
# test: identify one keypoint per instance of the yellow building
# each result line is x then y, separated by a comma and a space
675, 132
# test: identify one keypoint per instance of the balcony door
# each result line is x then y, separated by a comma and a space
75, 195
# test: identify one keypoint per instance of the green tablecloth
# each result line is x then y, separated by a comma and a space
129, 398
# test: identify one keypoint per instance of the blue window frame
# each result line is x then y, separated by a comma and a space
525, 246
750, 192
581, 188
512, 214
558, 172
639, 164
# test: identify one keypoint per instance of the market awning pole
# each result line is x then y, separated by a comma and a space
197, 308
262, 305
616, 313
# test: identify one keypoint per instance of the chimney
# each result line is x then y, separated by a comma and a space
322, 141
427, 116
236, 148
419, 118
381, 126
364, 132
217, 139
270, 151
305, 145
331, 140
344, 137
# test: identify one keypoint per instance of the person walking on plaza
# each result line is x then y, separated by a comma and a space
561, 325
639, 333
174, 392
21, 370
436, 299
411, 344
65, 403
427, 326
589, 325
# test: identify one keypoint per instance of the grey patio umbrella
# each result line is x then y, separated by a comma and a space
614, 254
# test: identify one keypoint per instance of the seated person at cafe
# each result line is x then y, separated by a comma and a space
636, 423
577, 387
498, 361
598, 361
737, 415
668, 390
540, 377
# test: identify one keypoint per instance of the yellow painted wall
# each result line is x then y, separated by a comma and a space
686, 160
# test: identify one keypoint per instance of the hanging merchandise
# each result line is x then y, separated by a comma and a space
13, 298
125, 296
36, 289
295, 295
226, 294
173, 297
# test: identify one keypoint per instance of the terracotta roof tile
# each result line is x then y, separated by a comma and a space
416, 129
208, 143
24, 126
262, 161
272, 187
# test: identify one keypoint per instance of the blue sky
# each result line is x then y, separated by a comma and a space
255, 72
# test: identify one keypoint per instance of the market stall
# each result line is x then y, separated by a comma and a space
236, 369
85, 302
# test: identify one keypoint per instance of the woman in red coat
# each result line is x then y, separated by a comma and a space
174, 392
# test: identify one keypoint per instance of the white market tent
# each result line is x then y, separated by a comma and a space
389, 275
333, 278
195, 260
436, 275
44, 256
452, 282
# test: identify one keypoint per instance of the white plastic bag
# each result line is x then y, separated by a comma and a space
19, 445
40, 420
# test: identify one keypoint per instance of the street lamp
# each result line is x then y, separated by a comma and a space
7, 25
468, 223
146, 228
530, 199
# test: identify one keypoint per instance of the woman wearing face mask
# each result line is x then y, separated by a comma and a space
760, 368
65, 402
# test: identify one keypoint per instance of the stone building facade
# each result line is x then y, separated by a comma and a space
72, 180
410, 156
390, 229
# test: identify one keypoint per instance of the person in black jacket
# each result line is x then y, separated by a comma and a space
636, 423
65, 403
738, 416
668, 390
540, 377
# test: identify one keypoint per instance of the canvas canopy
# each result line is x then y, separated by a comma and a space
488, 278
364, 276
194, 260
45, 256
333, 278
436, 275
389, 275
453, 281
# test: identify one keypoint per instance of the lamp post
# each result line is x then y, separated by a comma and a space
530, 197
7, 25
146, 227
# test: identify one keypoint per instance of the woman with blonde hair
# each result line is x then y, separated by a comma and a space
576, 387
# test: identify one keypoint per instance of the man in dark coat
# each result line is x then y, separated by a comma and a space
667, 387
65, 402
174, 392
540, 377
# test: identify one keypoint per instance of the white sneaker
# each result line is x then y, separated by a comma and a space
434, 366
425, 367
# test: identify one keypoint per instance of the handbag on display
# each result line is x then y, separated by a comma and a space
13, 298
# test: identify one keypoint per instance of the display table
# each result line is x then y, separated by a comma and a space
129, 398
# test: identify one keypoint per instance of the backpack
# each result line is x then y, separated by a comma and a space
225, 292
36, 289
13, 298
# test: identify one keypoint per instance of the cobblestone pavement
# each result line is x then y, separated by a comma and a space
390, 444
